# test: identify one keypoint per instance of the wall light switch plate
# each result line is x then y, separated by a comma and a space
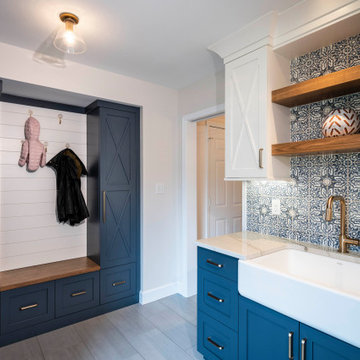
160, 188
275, 207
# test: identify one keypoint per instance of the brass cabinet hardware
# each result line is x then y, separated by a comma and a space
215, 297
303, 349
261, 158
104, 206
291, 344
29, 307
214, 263
78, 293
214, 343
118, 283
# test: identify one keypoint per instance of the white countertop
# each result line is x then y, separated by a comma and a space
246, 245
249, 245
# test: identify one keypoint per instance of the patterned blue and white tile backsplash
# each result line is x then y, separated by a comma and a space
315, 178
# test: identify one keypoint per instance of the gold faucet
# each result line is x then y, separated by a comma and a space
344, 241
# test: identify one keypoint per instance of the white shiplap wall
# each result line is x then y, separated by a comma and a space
29, 231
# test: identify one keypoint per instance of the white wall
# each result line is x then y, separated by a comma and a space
29, 231
160, 152
200, 100
203, 94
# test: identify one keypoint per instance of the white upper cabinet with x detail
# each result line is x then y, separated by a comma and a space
253, 123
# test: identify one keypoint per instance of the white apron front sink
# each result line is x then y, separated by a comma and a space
316, 290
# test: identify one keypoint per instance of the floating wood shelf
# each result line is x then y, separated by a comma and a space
339, 83
37, 274
340, 144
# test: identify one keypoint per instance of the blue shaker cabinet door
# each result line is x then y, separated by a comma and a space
119, 164
320, 346
266, 334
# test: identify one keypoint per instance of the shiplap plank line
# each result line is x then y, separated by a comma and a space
45, 257
17, 132
38, 112
15, 184
12, 157
47, 122
24, 235
20, 210
18, 249
29, 222
53, 146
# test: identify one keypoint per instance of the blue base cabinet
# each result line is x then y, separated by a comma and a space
232, 327
266, 334
319, 346
218, 320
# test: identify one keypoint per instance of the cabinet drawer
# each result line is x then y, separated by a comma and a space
218, 264
24, 307
218, 297
76, 293
216, 341
117, 283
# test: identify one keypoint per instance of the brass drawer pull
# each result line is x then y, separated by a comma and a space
29, 307
261, 166
291, 344
118, 283
214, 343
78, 293
215, 297
214, 263
104, 207
303, 349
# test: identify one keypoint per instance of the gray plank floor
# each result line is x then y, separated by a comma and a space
164, 329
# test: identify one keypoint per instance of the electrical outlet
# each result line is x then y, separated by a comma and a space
160, 188
275, 207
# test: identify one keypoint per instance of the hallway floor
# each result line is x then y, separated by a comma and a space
164, 329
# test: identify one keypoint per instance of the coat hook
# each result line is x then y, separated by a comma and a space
30, 112
67, 145
45, 145
60, 116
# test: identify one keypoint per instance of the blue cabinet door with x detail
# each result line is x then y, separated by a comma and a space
118, 182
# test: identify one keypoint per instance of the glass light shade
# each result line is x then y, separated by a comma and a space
68, 41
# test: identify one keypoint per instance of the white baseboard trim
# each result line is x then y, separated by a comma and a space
160, 292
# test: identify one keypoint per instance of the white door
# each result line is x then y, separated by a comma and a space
245, 116
224, 196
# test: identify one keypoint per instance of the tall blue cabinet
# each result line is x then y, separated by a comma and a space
113, 198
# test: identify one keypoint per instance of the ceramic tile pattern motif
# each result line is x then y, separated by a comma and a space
314, 178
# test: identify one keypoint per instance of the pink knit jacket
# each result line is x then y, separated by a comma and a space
33, 151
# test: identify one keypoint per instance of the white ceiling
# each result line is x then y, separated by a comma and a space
162, 41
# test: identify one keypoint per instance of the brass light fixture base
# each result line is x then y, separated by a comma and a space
66, 16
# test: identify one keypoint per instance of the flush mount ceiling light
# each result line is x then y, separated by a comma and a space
66, 39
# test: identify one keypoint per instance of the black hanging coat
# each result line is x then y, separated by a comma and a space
70, 202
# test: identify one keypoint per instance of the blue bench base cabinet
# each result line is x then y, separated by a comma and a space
35, 309
252, 331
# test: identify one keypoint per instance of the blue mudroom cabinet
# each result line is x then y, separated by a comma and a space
232, 327
45, 297
113, 196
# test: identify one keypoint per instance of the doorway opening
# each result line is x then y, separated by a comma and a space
219, 202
